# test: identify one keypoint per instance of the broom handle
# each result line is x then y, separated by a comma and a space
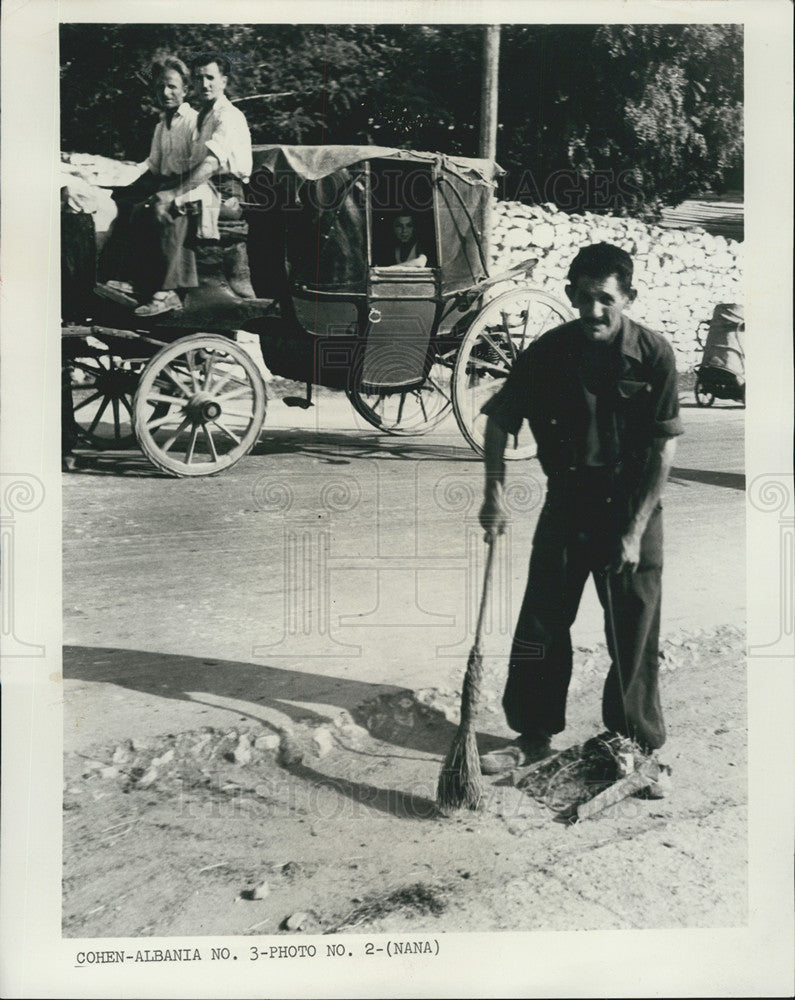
486, 585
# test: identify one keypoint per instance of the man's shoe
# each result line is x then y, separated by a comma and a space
522, 752
162, 302
121, 286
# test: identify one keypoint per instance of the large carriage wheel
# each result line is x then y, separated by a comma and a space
102, 387
215, 406
501, 330
408, 411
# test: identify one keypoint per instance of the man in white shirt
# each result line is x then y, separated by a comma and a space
127, 259
220, 159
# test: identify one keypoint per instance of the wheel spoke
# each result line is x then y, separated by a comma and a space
127, 405
224, 429
492, 343
176, 434
210, 442
401, 404
191, 444
209, 369
116, 420
152, 425
189, 357
439, 388
525, 325
85, 402
230, 377
159, 397
487, 366
246, 415
421, 401
235, 394
511, 345
167, 370
98, 415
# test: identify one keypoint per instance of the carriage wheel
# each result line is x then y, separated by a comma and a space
410, 411
102, 387
501, 330
703, 396
214, 401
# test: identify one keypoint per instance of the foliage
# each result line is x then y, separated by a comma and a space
622, 118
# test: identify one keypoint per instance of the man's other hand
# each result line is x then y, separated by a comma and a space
628, 555
494, 517
161, 206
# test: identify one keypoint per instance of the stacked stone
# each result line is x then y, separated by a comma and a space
680, 275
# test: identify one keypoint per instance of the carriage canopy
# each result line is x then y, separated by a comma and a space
336, 203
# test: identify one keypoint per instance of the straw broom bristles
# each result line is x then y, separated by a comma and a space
460, 780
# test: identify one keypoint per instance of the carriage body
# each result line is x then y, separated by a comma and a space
319, 221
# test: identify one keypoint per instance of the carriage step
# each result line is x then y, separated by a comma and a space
297, 401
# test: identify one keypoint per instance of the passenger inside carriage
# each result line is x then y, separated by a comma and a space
405, 246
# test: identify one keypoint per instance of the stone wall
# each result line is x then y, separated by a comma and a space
680, 275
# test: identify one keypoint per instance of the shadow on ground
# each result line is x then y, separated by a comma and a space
200, 681
330, 447
729, 480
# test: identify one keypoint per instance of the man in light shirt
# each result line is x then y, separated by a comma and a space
220, 164
127, 258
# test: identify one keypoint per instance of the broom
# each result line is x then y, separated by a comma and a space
460, 780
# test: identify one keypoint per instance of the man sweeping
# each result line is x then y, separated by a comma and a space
600, 396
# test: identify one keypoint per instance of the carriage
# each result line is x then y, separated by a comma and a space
407, 344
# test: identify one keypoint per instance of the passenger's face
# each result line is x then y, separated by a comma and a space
170, 89
210, 82
403, 227
600, 304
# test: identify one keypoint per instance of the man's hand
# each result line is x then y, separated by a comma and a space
494, 517
161, 206
628, 555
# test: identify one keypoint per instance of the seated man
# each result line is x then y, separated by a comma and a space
406, 250
127, 258
220, 158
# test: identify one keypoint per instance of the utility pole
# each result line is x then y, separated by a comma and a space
488, 118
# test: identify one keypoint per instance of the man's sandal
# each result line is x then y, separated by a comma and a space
520, 753
162, 302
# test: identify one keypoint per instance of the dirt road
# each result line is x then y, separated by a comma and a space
325, 588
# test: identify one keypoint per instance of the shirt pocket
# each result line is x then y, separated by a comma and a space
633, 414
632, 390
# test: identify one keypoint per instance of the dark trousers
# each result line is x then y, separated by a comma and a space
151, 255
575, 537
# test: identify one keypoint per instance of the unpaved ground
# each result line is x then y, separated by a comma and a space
190, 622
172, 834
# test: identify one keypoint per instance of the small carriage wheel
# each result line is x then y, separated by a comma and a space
703, 396
214, 401
503, 328
409, 411
102, 387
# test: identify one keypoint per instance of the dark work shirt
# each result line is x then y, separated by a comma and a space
633, 390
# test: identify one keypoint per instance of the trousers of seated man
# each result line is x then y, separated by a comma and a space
150, 254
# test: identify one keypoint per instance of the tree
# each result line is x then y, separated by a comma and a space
622, 118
